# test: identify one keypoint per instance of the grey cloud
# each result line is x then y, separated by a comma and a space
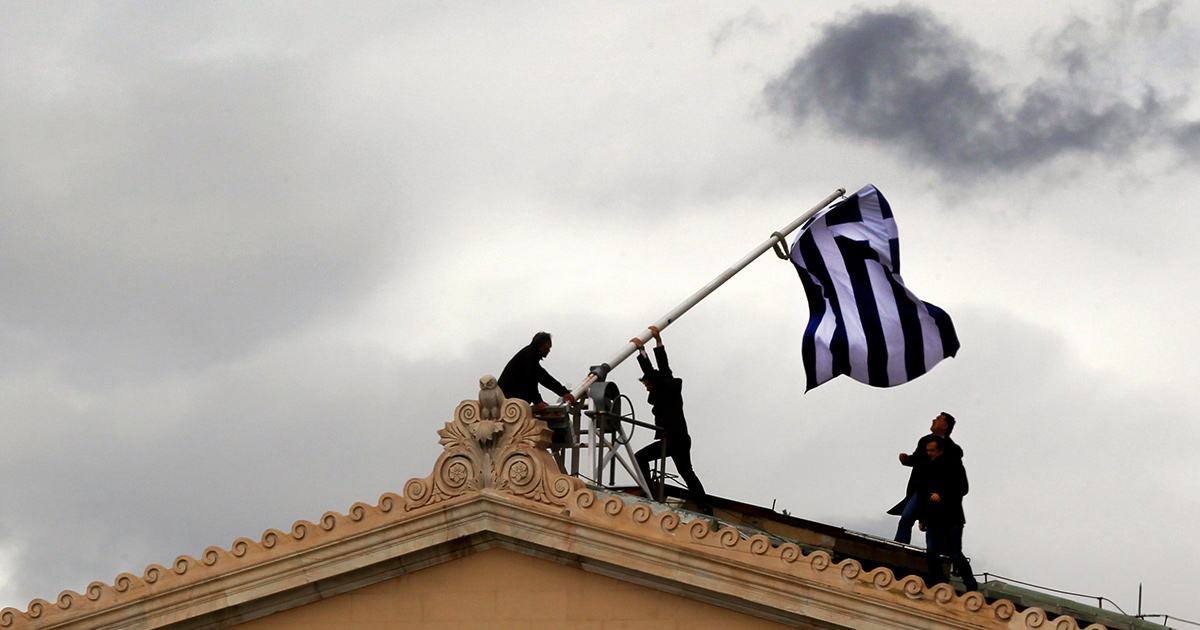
1041, 431
254, 447
311, 426
171, 197
300, 428
752, 20
902, 78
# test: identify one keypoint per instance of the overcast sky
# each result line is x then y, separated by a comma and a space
252, 257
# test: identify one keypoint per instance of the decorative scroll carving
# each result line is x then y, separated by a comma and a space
507, 453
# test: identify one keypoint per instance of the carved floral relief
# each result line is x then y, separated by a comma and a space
506, 453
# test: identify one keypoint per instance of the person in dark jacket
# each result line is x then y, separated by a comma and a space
906, 509
666, 401
941, 486
524, 372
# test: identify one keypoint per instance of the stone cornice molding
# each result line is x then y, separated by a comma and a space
783, 577
538, 511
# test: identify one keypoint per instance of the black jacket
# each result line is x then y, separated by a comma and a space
919, 458
946, 477
522, 375
666, 395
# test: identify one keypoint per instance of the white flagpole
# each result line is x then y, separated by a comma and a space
602, 370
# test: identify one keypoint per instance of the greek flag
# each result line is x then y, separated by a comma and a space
863, 321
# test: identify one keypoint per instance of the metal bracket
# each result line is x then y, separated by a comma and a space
780, 247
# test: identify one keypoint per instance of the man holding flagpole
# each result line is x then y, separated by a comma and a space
863, 321
524, 372
665, 395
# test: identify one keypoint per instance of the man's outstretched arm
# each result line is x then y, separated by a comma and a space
660, 353
552, 384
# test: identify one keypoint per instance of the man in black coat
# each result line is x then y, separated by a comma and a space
941, 485
666, 400
906, 509
524, 372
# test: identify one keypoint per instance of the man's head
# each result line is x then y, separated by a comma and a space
541, 341
942, 425
933, 448
649, 379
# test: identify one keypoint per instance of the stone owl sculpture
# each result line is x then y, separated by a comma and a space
491, 398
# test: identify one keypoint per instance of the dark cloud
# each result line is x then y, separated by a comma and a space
208, 192
902, 78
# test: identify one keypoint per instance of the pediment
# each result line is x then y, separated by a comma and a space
496, 487
498, 588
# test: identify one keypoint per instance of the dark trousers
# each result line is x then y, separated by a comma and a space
679, 449
908, 518
947, 540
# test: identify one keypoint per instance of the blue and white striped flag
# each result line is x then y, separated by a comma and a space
862, 320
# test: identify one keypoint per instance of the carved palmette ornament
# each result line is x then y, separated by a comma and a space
506, 454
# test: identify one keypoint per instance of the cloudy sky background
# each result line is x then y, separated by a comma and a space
252, 257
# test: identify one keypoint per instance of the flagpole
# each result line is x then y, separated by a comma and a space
601, 371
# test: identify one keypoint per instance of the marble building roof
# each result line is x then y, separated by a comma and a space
496, 485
